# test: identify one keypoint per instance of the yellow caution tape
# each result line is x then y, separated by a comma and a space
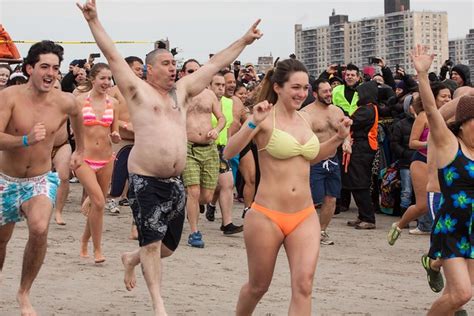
78, 42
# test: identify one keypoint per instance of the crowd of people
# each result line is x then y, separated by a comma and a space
171, 143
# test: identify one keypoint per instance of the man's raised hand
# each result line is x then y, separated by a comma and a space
89, 9
253, 33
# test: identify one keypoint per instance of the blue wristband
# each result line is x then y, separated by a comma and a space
252, 125
24, 140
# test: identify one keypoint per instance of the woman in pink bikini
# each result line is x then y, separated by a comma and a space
100, 128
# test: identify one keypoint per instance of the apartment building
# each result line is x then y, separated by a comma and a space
391, 36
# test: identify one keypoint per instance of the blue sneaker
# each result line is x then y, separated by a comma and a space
195, 240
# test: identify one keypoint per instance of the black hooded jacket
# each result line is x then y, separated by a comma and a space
464, 72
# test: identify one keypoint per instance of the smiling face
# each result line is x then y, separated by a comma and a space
324, 93
294, 91
352, 77
457, 77
4, 75
443, 97
241, 93
102, 80
44, 73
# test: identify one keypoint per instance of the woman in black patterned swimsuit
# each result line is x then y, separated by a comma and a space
452, 237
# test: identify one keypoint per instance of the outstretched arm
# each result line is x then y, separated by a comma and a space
249, 129
123, 75
438, 129
196, 82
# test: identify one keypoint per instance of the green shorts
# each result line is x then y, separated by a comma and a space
202, 166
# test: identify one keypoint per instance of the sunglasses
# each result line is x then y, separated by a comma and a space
190, 71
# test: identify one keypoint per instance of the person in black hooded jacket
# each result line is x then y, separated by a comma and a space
399, 144
461, 74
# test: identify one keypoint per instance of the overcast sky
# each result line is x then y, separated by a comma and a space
199, 27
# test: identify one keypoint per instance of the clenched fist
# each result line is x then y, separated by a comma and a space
37, 133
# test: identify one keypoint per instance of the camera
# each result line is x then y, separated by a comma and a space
449, 62
94, 55
374, 60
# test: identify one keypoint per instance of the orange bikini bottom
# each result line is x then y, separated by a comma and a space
286, 221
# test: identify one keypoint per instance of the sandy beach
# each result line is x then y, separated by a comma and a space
359, 275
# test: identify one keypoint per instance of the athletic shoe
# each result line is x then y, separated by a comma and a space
325, 239
124, 202
195, 240
112, 206
435, 278
202, 208
74, 180
354, 223
230, 229
393, 234
245, 211
417, 231
210, 212
365, 225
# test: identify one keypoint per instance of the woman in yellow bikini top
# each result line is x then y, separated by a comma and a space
283, 211
100, 128
283, 145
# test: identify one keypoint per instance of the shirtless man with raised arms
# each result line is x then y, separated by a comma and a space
158, 157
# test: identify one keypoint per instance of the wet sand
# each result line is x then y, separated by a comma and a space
359, 275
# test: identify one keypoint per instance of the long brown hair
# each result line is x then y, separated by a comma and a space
279, 75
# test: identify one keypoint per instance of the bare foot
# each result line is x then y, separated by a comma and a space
25, 306
84, 251
130, 279
133, 233
98, 257
86, 207
59, 219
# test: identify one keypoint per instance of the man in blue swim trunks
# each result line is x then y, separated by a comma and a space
325, 176
30, 116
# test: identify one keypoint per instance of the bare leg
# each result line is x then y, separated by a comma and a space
418, 171
38, 212
133, 232
6, 232
151, 268
261, 257
327, 211
247, 169
459, 279
61, 163
226, 196
131, 259
302, 249
96, 186
86, 235
192, 206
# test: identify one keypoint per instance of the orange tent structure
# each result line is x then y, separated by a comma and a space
8, 49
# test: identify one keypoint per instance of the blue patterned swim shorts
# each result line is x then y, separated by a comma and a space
16, 191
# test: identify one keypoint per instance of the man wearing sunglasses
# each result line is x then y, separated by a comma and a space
202, 161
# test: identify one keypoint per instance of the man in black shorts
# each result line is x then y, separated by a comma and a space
158, 156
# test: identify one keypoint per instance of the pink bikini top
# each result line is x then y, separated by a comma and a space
90, 118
